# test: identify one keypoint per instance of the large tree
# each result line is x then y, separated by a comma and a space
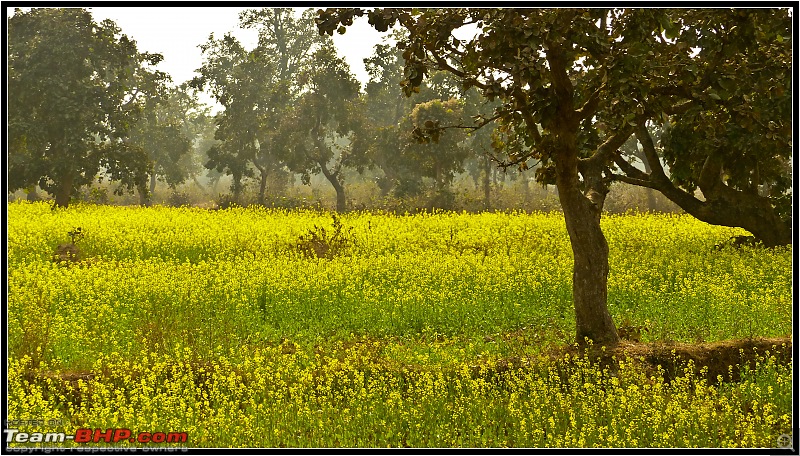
574, 85
257, 89
529, 60
74, 89
317, 135
722, 83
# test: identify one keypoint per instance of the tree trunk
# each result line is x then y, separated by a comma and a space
64, 190
333, 178
736, 209
200, 185
32, 194
146, 197
152, 183
651, 195
262, 188
526, 188
236, 187
487, 188
589, 248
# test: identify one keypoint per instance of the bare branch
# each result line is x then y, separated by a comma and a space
630, 170
657, 171
633, 181
606, 150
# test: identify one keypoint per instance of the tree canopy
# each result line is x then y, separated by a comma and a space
257, 89
166, 132
318, 131
573, 86
75, 87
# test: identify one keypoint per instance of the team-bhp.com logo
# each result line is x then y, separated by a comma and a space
95, 436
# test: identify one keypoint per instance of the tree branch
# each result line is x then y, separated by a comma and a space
633, 181
444, 65
656, 170
590, 107
526, 114
630, 170
606, 150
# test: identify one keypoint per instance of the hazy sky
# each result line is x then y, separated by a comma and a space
176, 32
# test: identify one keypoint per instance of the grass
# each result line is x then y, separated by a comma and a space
219, 324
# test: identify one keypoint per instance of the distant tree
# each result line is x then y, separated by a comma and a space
389, 120
387, 107
257, 89
317, 133
166, 132
437, 157
231, 74
75, 87
482, 161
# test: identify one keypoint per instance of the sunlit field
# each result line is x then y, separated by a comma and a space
248, 327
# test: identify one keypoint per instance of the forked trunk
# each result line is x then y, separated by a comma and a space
590, 271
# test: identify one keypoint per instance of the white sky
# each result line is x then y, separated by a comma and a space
176, 32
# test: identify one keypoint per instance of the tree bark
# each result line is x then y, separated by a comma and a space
651, 197
589, 246
236, 187
333, 178
487, 188
64, 190
582, 211
262, 189
152, 184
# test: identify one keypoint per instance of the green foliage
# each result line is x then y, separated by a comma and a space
318, 129
257, 89
166, 133
75, 89
586, 78
439, 158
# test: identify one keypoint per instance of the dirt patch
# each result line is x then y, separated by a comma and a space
712, 361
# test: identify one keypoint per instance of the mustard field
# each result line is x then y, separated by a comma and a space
249, 327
